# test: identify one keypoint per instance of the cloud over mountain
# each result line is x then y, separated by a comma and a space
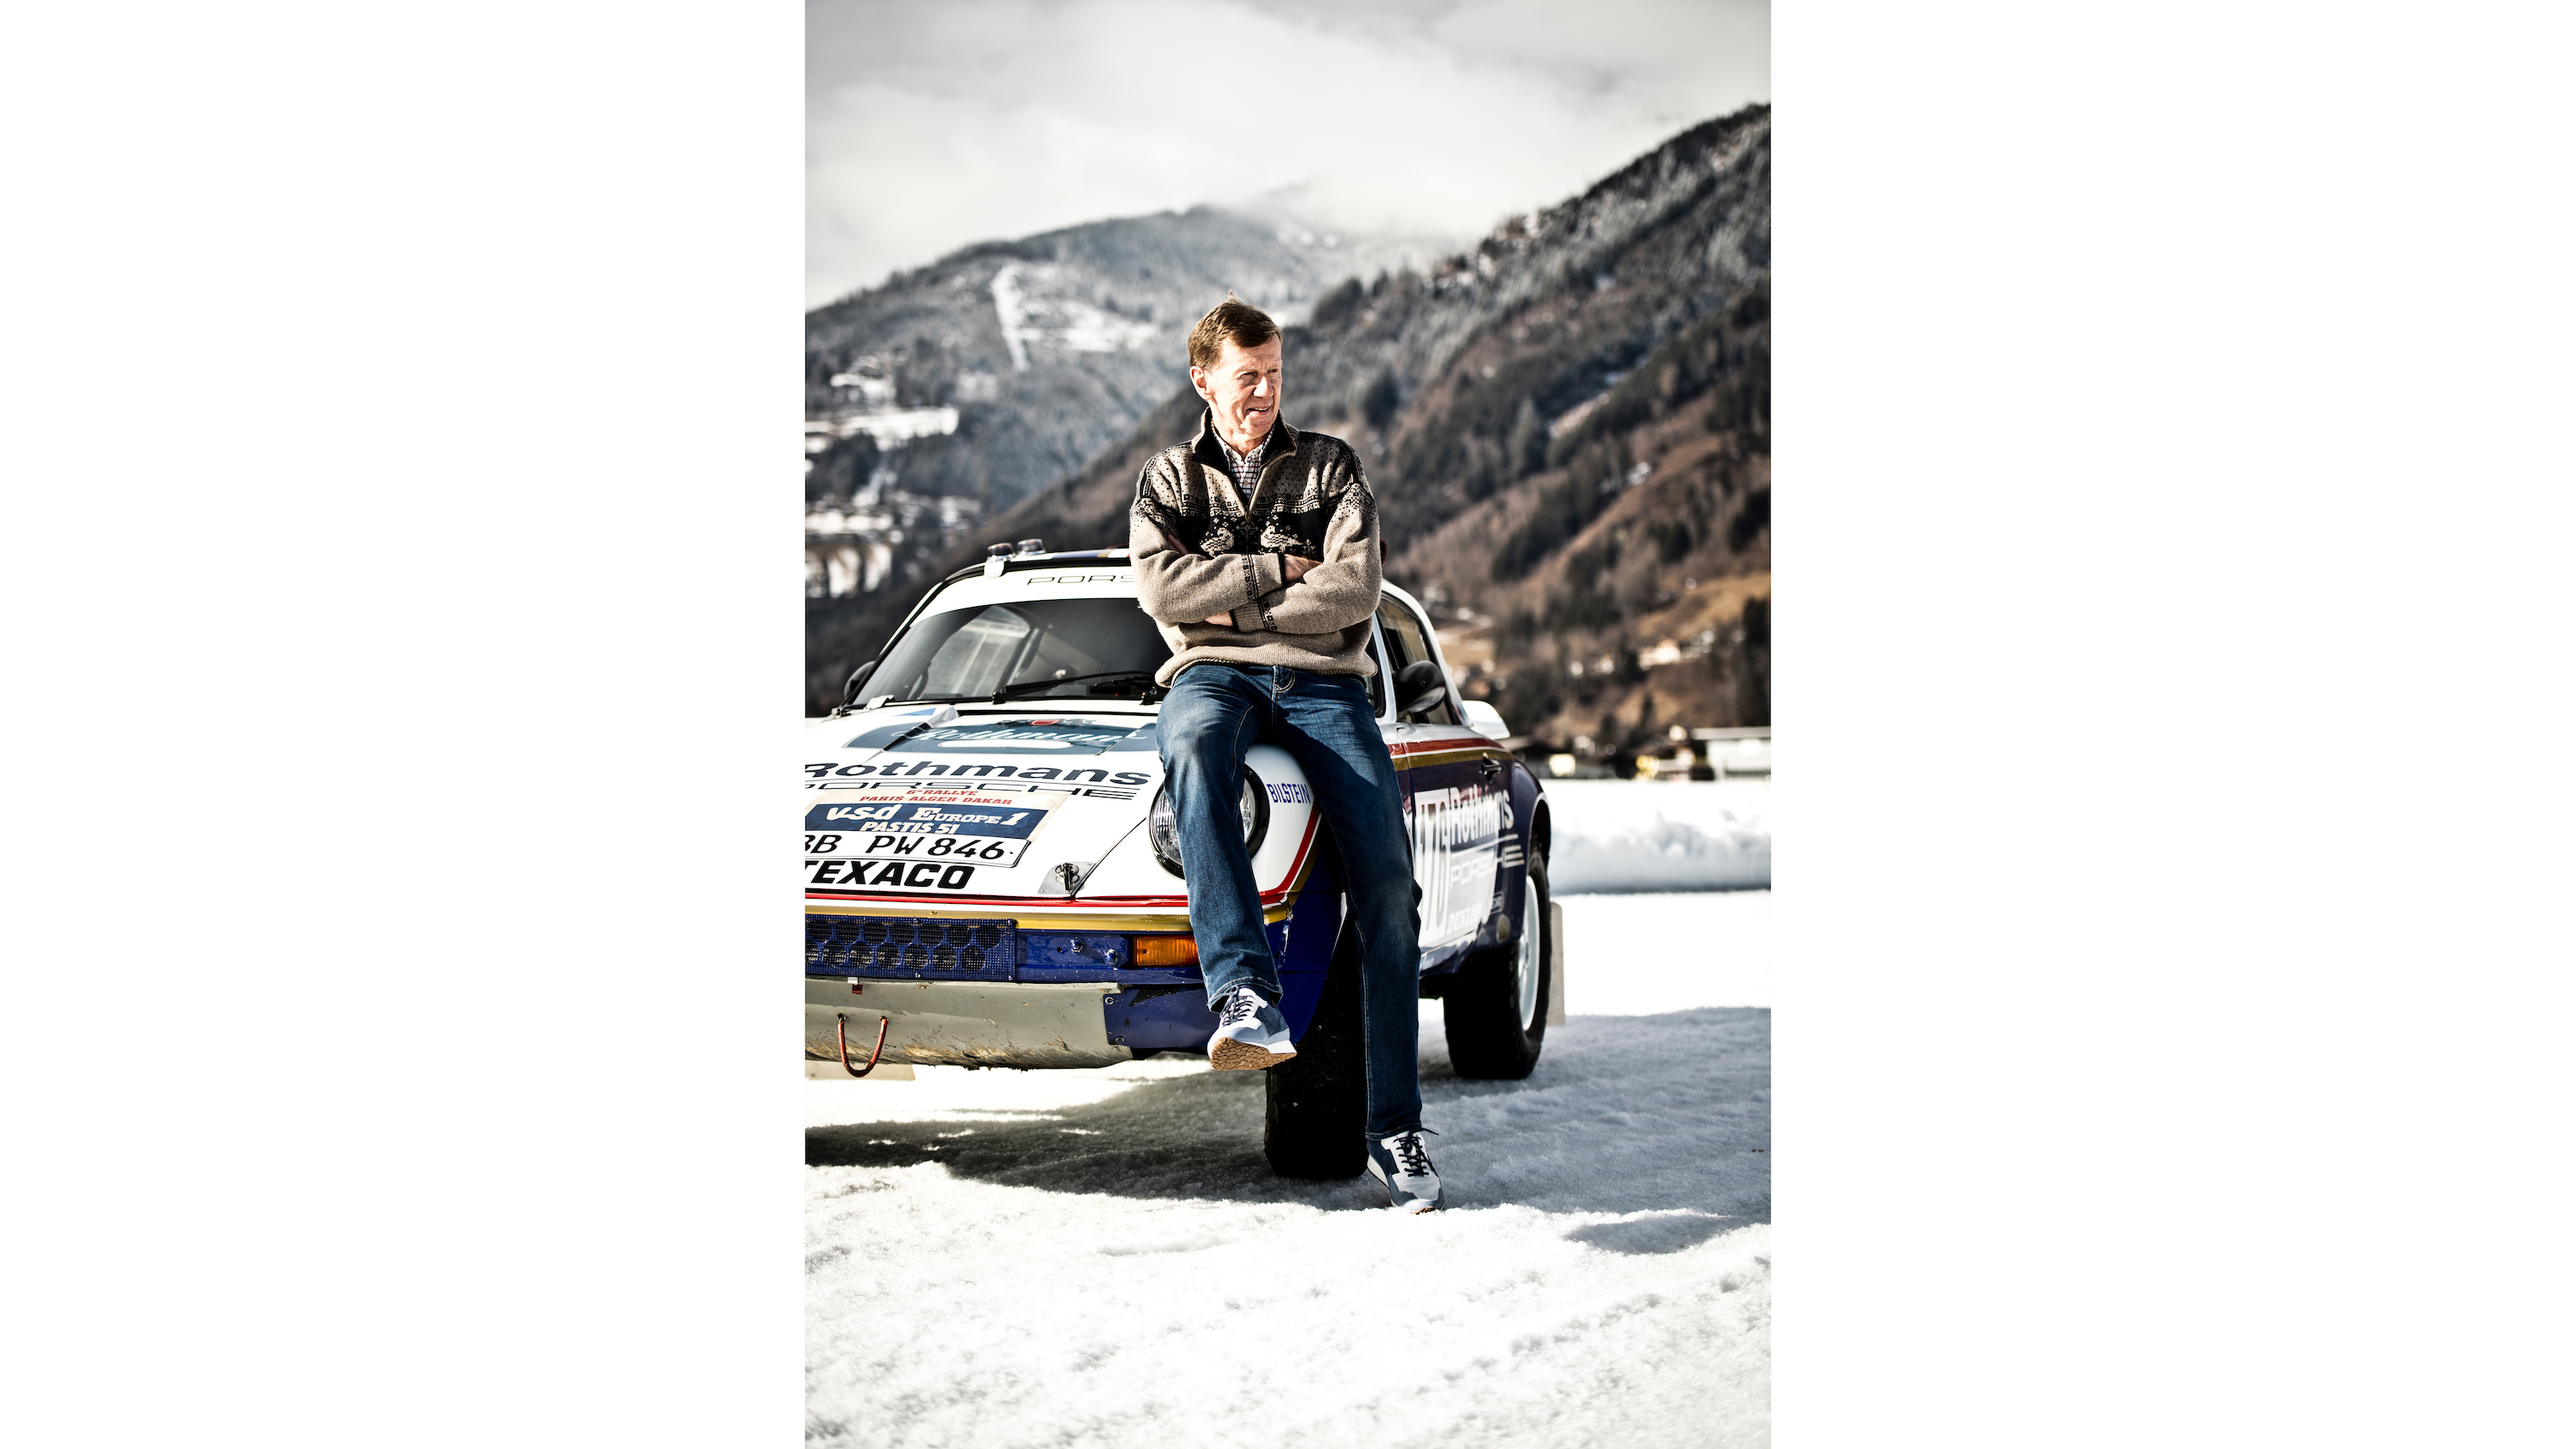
933, 126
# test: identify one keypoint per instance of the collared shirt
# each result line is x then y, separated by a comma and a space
1246, 466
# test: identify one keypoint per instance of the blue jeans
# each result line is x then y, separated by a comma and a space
1214, 713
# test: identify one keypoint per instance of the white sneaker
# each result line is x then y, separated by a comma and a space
1401, 1164
1250, 1034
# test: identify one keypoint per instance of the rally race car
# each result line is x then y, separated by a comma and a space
993, 878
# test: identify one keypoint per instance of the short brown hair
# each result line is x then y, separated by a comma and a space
1248, 325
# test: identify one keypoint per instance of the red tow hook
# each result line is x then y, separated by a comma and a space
843, 1031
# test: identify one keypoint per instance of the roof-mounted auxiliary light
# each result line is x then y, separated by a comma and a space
994, 553
1032, 545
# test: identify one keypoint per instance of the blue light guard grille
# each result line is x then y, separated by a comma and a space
913, 946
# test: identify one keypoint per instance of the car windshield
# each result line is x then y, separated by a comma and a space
1034, 649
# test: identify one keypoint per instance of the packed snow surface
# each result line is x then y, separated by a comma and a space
1626, 835
1104, 1258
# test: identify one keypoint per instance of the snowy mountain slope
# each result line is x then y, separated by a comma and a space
1051, 347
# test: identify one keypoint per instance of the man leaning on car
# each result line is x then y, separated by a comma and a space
1256, 551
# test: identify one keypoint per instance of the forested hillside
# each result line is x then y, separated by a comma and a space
1568, 428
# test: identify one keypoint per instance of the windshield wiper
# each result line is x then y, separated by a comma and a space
1025, 685
929, 699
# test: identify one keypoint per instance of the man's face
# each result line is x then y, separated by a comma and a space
1242, 390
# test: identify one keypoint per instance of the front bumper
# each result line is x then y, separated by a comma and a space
965, 1023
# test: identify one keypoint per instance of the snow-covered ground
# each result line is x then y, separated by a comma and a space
1627, 835
1104, 1258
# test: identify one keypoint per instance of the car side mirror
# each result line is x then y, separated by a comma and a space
1418, 687
858, 676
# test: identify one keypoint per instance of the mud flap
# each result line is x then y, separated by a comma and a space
1555, 964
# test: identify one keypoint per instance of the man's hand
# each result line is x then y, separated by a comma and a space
1222, 620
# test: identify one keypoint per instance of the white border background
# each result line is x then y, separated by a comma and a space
2172, 410
399, 495
403, 514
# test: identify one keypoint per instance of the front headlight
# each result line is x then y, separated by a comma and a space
1163, 827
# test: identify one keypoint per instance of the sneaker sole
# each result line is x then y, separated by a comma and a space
1226, 1054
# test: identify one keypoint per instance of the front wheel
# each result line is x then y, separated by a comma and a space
1315, 1116
1495, 1013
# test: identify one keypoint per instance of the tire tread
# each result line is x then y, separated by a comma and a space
1315, 1104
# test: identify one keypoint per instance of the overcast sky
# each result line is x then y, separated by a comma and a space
931, 125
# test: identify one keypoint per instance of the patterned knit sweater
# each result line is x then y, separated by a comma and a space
1201, 551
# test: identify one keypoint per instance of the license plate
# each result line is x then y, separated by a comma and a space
964, 826
939, 849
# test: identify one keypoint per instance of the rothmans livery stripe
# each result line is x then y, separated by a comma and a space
1410, 754
1282, 895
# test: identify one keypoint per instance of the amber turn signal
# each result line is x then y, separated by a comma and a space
1167, 951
